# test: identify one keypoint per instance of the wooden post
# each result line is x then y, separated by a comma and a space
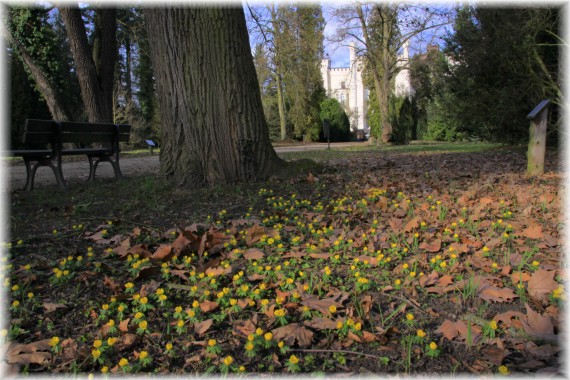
537, 138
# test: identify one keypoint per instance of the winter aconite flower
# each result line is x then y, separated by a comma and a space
504, 370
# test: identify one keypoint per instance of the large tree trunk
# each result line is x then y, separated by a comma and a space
213, 128
95, 71
49, 92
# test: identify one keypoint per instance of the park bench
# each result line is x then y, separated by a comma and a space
56, 137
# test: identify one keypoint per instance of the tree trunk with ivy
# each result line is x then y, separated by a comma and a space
213, 127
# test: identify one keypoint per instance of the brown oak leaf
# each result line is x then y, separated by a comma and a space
293, 332
203, 326
541, 284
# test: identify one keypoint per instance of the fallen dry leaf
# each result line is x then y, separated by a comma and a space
293, 332
433, 247
541, 284
533, 231
202, 327
320, 323
163, 252
495, 294
538, 325
208, 306
253, 254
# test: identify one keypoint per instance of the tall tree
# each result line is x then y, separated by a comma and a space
505, 61
214, 130
304, 84
38, 47
381, 30
95, 66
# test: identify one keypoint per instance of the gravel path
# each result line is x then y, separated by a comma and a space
130, 166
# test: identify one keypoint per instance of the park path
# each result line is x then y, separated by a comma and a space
130, 166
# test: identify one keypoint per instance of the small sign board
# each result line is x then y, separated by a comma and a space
150, 143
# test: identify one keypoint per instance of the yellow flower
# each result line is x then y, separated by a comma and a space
228, 360
421, 333
241, 368
180, 323
96, 354
249, 346
97, 343
535, 263
123, 362
293, 359
105, 307
251, 337
53, 341
195, 304
105, 369
332, 309
280, 344
433, 346
111, 341
143, 300
3, 333
268, 336
142, 324
397, 282
410, 317
178, 309
339, 325
212, 342
504, 370
493, 325
16, 303
259, 331
168, 346
279, 313
143, 355
357, 326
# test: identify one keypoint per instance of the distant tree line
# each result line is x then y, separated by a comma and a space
93, 63
496, 66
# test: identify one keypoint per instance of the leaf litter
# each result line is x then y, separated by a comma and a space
345, 257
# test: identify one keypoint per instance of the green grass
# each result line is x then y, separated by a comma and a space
419, 147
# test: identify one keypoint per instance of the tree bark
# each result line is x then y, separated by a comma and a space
96, 85
213, 128
49, 92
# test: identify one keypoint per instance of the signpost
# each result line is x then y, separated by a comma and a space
151, 145
537, 138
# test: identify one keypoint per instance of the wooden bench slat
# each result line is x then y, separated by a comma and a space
49, 132
86, 138
33, 125
75, 152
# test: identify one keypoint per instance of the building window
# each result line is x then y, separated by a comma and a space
342, 85
342, 98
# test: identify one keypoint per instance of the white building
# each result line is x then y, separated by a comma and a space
345, 84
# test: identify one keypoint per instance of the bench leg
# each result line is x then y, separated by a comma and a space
92, 169
118, 173
58, 174
29, 176
31, 173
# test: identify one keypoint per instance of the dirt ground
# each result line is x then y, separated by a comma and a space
78, 170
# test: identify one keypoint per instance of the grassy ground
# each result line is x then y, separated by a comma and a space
437, 259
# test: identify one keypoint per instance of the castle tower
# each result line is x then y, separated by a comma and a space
403, 84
